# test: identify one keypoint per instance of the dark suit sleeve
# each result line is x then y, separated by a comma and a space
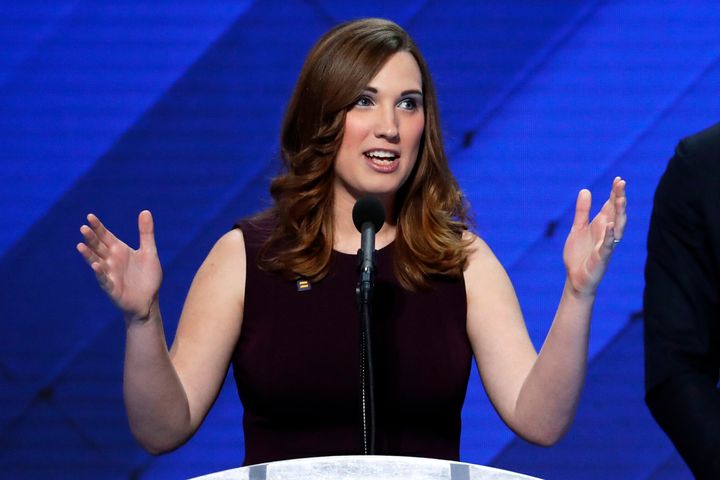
681, 308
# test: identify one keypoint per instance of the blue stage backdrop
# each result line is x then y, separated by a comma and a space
175, 106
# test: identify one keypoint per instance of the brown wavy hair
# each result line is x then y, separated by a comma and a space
430, 209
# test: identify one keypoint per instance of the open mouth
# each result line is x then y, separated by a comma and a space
382, 158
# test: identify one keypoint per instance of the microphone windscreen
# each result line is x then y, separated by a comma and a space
368, 209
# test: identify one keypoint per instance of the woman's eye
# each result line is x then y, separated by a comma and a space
363, 102
408, 104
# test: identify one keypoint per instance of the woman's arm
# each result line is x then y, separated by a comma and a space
537, 394
168, 393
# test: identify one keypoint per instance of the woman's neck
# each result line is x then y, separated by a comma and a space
346, 238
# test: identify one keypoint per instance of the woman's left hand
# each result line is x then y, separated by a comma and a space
589, 245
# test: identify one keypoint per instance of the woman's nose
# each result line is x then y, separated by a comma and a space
386, 125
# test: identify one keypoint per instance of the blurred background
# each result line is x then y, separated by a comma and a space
175, 106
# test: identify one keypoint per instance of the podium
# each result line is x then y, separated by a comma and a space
365, 467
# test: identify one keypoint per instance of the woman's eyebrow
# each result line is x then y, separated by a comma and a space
402, 94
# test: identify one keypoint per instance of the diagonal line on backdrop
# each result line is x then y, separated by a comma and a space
322, 12
53, 376
617, 338
58, 369
413, 11
535, 64
633, 141
151, 104
666, 463
73, 425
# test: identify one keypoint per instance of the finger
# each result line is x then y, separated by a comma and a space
620, 208
93, 242
612, 190
608, 209
608, 243
582, 208
102, 277
103, 234
146, 227
87, 253
97, 265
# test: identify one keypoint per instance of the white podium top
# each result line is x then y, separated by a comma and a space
362, 467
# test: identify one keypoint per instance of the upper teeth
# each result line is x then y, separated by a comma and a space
380, 154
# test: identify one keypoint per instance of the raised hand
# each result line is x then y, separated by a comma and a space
131, 278
589, 245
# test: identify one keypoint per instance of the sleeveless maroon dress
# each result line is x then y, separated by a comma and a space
296, 363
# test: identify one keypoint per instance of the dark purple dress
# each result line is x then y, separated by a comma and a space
297, 362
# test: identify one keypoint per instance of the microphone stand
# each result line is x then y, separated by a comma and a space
364, 293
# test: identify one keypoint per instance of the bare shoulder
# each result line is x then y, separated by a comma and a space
486, 281
231, 245
218, 289
479, 253
227, 257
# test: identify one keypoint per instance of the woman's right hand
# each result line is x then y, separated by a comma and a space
131, 278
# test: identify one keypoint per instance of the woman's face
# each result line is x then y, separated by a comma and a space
382, 133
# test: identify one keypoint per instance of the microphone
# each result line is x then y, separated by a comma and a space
368, 216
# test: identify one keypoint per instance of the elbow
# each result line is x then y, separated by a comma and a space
545, 440
544, 434
157, 442
157, 432
157, 447
548, 440
153, 450
157, 451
